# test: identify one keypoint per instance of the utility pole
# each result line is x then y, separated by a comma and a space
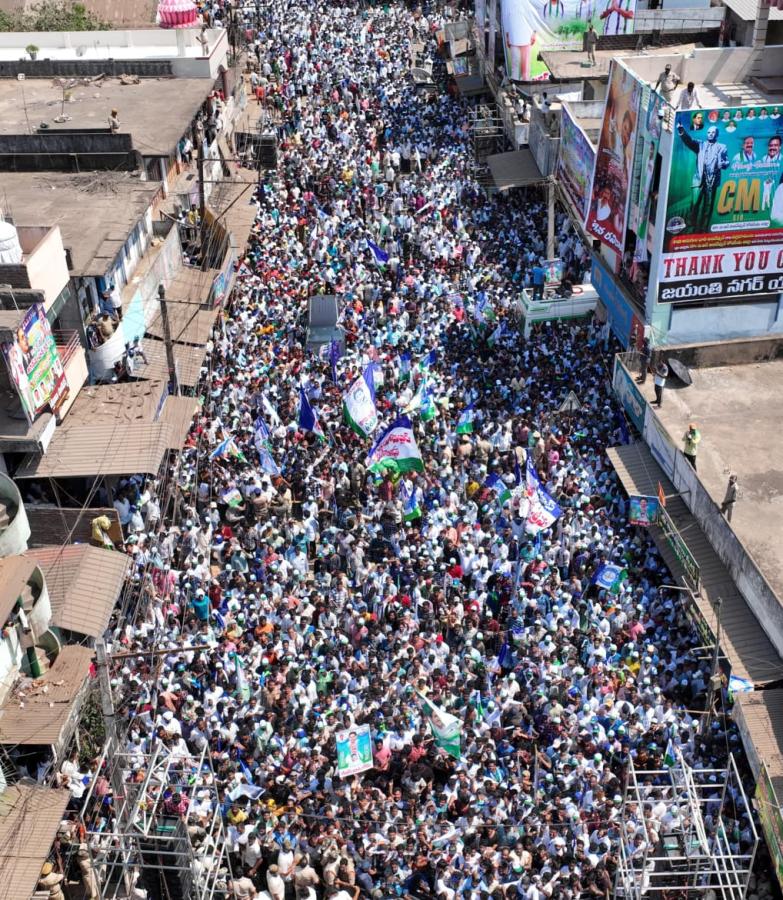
550, 230
715, 680
170, 360
202, 200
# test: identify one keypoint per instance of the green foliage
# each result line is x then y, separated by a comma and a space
92, 734
52, 15
573, 28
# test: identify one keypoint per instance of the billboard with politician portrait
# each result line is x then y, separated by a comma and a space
575, 162
723, 233
530, 26
614, 158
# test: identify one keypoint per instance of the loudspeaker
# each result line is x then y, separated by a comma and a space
267, 150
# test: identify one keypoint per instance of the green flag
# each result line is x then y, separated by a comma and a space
446, 728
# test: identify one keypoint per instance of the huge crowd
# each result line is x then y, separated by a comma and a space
300, 594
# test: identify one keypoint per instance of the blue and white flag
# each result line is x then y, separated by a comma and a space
228, 448
427, 362
334, 355
261, 432
410, 504
270, 411
308, 420
359, 404
495, 483
404, 367
381, 257
465, 421
542, 509
609, 577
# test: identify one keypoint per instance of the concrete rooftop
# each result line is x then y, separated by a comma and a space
738, 411
96, 211
571, 64
156, 112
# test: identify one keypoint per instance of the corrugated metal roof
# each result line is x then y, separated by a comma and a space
102, 449
762, 715
178, 413
15, 572
29, 818
743, 639
189, 324
48, 701
129, 402
188, 358
747, 10
514, 169
84, 584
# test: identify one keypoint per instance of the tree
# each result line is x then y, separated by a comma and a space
53, 15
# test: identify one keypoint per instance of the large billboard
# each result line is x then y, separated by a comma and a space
724, 215
614, 157
34, 364
530, 26
575, 162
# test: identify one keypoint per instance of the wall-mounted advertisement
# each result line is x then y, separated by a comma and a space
34, 364
611, 181
724, 215
530, 26
575, 162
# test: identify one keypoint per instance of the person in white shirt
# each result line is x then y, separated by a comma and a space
689, 99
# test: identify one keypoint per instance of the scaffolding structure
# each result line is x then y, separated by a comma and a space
487, 138
146, 838
695, 848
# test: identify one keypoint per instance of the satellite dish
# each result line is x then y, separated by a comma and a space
680, 371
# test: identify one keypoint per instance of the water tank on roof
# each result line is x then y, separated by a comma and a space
10, 248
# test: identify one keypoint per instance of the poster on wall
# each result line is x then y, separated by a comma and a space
647, 140
611, 180
530, 26
354, 750
34, 364
642, 510
724, 205
575, 162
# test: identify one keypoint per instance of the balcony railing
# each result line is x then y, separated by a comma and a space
67, 343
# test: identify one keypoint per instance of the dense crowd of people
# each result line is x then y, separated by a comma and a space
302, 593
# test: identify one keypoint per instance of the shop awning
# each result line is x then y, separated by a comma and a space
30, 815
85, 451
49, 707
742, 638
84, 584
189, 324
178, 414
516, 168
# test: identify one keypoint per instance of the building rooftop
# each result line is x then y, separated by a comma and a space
724, 76
572, 64
29, 818
84, 584
156, 112
96, 211
737, 410
38, 711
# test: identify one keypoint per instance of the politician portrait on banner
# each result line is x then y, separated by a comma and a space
609, 192
723, 233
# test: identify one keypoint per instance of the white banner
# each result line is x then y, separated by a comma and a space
359, 407
396, 449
